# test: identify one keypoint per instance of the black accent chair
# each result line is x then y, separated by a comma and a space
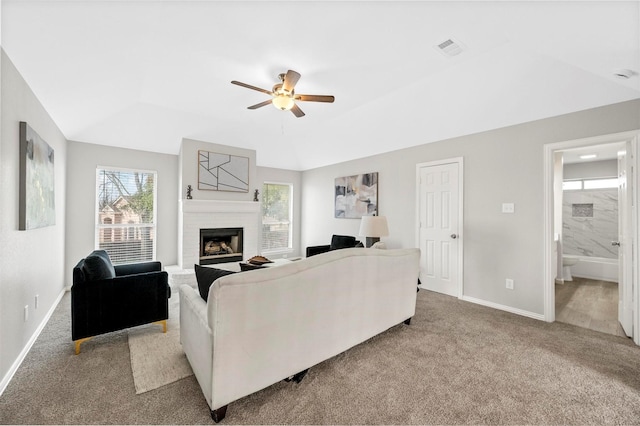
337, 242
106, 298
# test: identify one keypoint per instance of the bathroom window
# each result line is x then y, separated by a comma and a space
571, 185
601, 183
574, 185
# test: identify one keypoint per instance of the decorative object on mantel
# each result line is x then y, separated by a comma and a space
189, 189
255, 195
373, 227
223, 172
37, 190
356, 196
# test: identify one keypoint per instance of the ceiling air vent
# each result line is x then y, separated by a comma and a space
450, 47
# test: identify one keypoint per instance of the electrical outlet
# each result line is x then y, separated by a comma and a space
26, 313
509, 283
508, 208
35, 305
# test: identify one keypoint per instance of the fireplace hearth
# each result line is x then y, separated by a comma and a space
220, 245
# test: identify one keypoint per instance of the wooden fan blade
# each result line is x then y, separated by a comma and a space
248, 86
260, 105
315, 98
297, 111
290, 80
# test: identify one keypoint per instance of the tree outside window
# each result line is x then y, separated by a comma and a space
125, 222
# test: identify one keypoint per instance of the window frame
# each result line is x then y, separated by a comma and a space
124, 227
289, 248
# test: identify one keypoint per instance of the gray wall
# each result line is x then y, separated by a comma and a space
83, 159
31, 262
591, 169
503, 165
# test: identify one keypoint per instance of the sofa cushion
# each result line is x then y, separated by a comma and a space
98, 266
342, 241
206, 276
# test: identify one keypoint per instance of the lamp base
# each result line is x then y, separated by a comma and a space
371, 241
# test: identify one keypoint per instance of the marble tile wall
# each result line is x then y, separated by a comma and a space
590, 222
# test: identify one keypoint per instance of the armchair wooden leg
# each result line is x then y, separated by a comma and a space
218, 415
408, 321
79, 342
163, 323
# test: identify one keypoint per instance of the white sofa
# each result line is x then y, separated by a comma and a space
263, 326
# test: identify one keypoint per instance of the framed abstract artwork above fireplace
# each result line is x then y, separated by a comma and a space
222, 172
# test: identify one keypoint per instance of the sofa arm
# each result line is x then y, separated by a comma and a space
313, 250
196, 337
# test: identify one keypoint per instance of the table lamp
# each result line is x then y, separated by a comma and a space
373, 227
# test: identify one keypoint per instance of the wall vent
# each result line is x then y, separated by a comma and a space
450, 47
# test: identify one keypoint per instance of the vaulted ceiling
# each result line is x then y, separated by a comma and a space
144, 74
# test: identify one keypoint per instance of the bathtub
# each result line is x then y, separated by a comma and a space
596, 268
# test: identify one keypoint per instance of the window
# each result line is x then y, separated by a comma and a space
126, 214
277, 210
569, 185
603, 183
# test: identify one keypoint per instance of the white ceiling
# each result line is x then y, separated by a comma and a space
144, 74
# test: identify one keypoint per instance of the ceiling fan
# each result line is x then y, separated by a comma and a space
283, 95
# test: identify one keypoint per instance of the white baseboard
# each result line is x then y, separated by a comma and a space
503, 308
16, 364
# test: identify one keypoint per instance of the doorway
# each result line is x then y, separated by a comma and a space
577, 239
439, 216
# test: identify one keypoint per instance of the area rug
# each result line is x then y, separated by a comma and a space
157, 358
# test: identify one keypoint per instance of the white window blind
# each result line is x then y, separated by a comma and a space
126, 214
277, 210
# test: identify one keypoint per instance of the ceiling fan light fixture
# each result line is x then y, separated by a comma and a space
282, 102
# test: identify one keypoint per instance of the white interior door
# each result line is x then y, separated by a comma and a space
625, 242
439, 227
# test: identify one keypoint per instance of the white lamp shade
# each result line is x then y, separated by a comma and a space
374, 226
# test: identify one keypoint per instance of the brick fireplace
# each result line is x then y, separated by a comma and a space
209, 214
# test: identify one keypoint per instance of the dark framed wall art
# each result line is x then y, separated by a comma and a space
222, 172
356, 196
37, 189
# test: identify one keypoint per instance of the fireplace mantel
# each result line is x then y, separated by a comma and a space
219, 206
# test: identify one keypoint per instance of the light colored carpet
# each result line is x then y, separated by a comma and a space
457, 363
157, 358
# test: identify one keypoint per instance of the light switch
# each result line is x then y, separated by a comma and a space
508, 208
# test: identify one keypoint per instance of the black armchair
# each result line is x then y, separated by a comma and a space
337, 242
106, 298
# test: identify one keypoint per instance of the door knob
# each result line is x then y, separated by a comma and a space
454, 236
615, 243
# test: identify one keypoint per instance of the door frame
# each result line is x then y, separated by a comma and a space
548, 206
460, 253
